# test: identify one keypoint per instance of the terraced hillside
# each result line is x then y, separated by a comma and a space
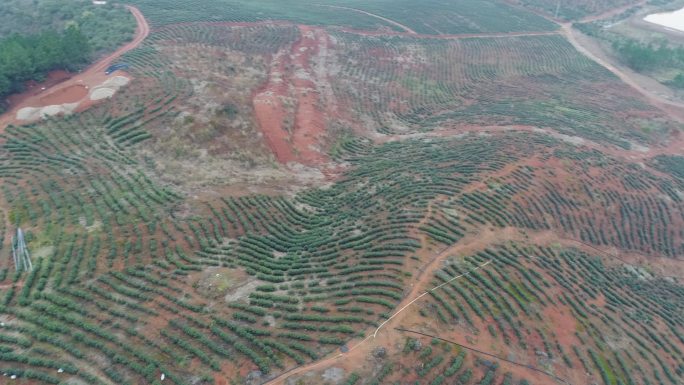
281, 197
419, 84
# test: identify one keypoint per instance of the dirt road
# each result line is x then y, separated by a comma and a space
673, 109
382, 336
141, 33
397, 24
385, 335
91, 77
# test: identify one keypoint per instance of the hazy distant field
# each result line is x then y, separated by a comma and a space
429, 17
449, 193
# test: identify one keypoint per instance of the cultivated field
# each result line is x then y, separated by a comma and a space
430, 17
324, 195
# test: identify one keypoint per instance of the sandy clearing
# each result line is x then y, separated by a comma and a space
108, 88
35, 113
102, 93
57, 103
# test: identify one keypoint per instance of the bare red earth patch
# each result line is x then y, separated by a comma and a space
70, 94
270, 111
33, 88
289, 108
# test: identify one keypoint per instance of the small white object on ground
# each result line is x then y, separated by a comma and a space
108, 88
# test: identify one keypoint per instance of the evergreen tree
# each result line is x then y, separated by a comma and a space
30, 57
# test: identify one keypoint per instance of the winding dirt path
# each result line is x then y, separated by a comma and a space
671, 108
390, 21
91, 77
384, 333
141, 33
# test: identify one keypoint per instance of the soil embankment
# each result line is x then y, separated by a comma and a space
290, 108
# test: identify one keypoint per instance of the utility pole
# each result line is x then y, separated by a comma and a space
20, 253
557, 9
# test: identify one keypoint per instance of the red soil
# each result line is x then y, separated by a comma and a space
563, 323
310, 119
60, 87
33, 88
292, 81
70, 94
270, 110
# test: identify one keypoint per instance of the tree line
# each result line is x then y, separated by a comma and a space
31, 57
643, 57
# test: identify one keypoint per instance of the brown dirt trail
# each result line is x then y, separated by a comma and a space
390, 21
671, 108
385, 333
